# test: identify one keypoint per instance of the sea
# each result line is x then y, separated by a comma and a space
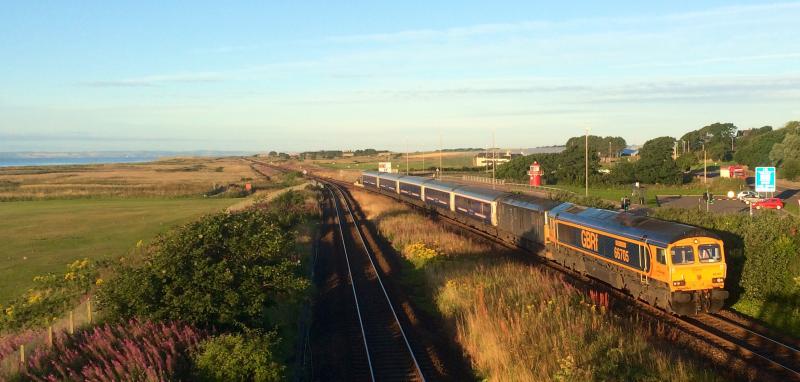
8, 159
45, 161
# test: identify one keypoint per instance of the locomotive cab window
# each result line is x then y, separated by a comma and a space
661, 255
709, 253
682, 255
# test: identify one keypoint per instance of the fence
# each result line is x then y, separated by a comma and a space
27, 343
510, 186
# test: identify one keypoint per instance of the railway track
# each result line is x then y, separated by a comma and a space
389, 355
741, 345
726, 338
739, 335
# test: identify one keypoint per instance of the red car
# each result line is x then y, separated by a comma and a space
768, 203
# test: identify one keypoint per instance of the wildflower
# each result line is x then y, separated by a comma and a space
98, 282
69, 276
34, 298
10, 311
139, 244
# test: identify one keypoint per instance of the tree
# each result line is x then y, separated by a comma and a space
272, 153
686, 161
716, 138
517, 168
602, 146
624, 172
754, 150
571, 167
655, 163
788, 149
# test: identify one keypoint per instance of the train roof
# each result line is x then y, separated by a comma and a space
656, 231
417, 180
480, 193
371, 173
441, 186
530, 202
388, 176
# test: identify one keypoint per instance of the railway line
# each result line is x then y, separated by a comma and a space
725, 338
389, 355
742, 345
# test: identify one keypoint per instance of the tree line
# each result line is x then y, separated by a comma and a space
666, 160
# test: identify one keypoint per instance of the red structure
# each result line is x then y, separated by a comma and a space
536, 174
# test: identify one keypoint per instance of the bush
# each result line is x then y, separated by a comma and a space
791, 169
52, 295
587, 201
225, 271
238, 357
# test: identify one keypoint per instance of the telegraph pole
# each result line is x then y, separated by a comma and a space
705, 169
586, 156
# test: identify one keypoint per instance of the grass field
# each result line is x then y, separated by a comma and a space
43, 236
615, 193
416, 161
177, 177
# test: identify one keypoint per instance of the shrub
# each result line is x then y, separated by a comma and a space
588, 201
52, 295
791, 169
238, 357
225, 271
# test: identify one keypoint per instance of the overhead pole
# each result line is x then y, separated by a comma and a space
406, 156
705, 167
441, 170
494, 158
586, 156
423, 161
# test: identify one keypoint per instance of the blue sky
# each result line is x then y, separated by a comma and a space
310, 75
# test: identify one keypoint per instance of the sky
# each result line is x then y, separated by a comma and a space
309, 75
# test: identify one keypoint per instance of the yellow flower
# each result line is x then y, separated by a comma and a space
98, 282
34, 298
10, 311
69, 276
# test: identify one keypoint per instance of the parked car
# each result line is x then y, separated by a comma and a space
748, 196
768, 203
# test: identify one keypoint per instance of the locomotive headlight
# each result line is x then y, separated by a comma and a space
718, 280
679, 283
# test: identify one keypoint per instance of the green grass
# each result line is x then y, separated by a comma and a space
616, 192
44, 236
431, 160
784, 317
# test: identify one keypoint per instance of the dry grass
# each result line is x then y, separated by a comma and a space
516, 322
165, 178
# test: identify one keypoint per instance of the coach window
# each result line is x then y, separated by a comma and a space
682, 255
661, 255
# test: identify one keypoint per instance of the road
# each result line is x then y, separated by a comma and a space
787, 191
